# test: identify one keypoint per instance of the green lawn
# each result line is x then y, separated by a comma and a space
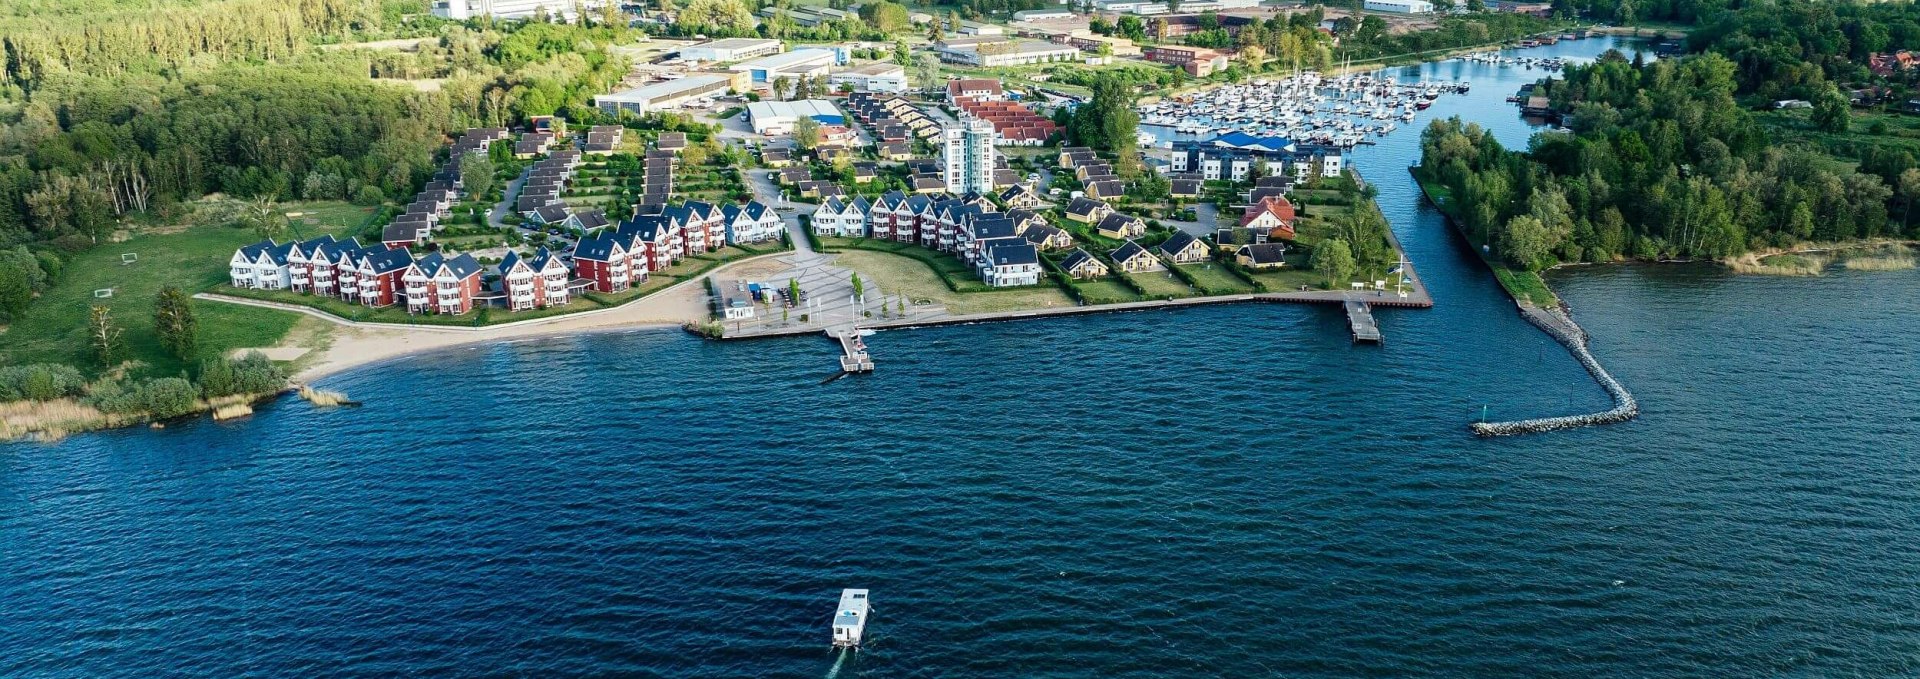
1162, 284
1288, 279
1107, 291
54, 328
1216, 279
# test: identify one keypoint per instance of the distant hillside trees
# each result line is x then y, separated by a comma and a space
1661, 163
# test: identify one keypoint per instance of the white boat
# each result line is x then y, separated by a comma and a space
850, 623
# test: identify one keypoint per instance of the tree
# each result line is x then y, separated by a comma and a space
781, 86
262, 214
1526, 243
1107, 122
174, 323
103, 336
928, 73
806, 133
1254, 56
730, 15
885, 16
1334, 260
803, 88
793, 291
1908, 188
1830, 111
476, 174
859, 287
20, 277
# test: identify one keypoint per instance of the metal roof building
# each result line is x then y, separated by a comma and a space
663, 94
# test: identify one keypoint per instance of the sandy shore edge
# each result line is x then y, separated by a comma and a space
355, 345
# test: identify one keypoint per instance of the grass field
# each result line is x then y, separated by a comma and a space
1162, 284
1107, 291
1216, 279
194, 258
898, 274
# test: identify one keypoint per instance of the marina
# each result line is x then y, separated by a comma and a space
1344, 111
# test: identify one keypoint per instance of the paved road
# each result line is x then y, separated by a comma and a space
510, 194
1206, 219
768, 192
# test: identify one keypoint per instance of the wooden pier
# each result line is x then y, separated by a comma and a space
853, 352
1360, 321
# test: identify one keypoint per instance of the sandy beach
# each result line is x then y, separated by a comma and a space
351, 345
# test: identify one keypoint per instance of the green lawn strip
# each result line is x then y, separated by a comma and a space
54, 328
1109, 290
1288, 279
1214, 278
1161, 285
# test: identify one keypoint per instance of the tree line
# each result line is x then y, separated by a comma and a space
1660, 162
1801, 48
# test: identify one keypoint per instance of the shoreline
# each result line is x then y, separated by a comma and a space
352, 344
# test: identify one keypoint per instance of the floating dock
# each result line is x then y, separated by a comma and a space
1360, 321
850, 622
853, 352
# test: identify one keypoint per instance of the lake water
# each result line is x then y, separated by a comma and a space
1220, 491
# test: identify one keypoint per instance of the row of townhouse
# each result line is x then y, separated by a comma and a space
378, 276
547, 178
1003, 246
373, 276
893, 117
435, 200
1219, 159
614, 259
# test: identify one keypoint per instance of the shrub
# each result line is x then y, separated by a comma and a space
252, 374
40, 382
161, 398
369, 194
169, 397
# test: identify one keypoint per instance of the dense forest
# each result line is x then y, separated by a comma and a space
246, 107
1797, 48
1660, 162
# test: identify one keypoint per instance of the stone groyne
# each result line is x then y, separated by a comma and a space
1561, 326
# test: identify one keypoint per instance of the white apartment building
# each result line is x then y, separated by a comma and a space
966, 153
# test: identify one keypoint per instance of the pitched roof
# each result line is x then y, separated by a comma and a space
1128, 251
1274, 205
595, 248
464, 266
1179, 241
385, 261
543, 258
510, 261
1012, 252
404, 232
1077, 258
994, 227
1105, 189
1039, 235
1084, 206
1265, 253
1116, 221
